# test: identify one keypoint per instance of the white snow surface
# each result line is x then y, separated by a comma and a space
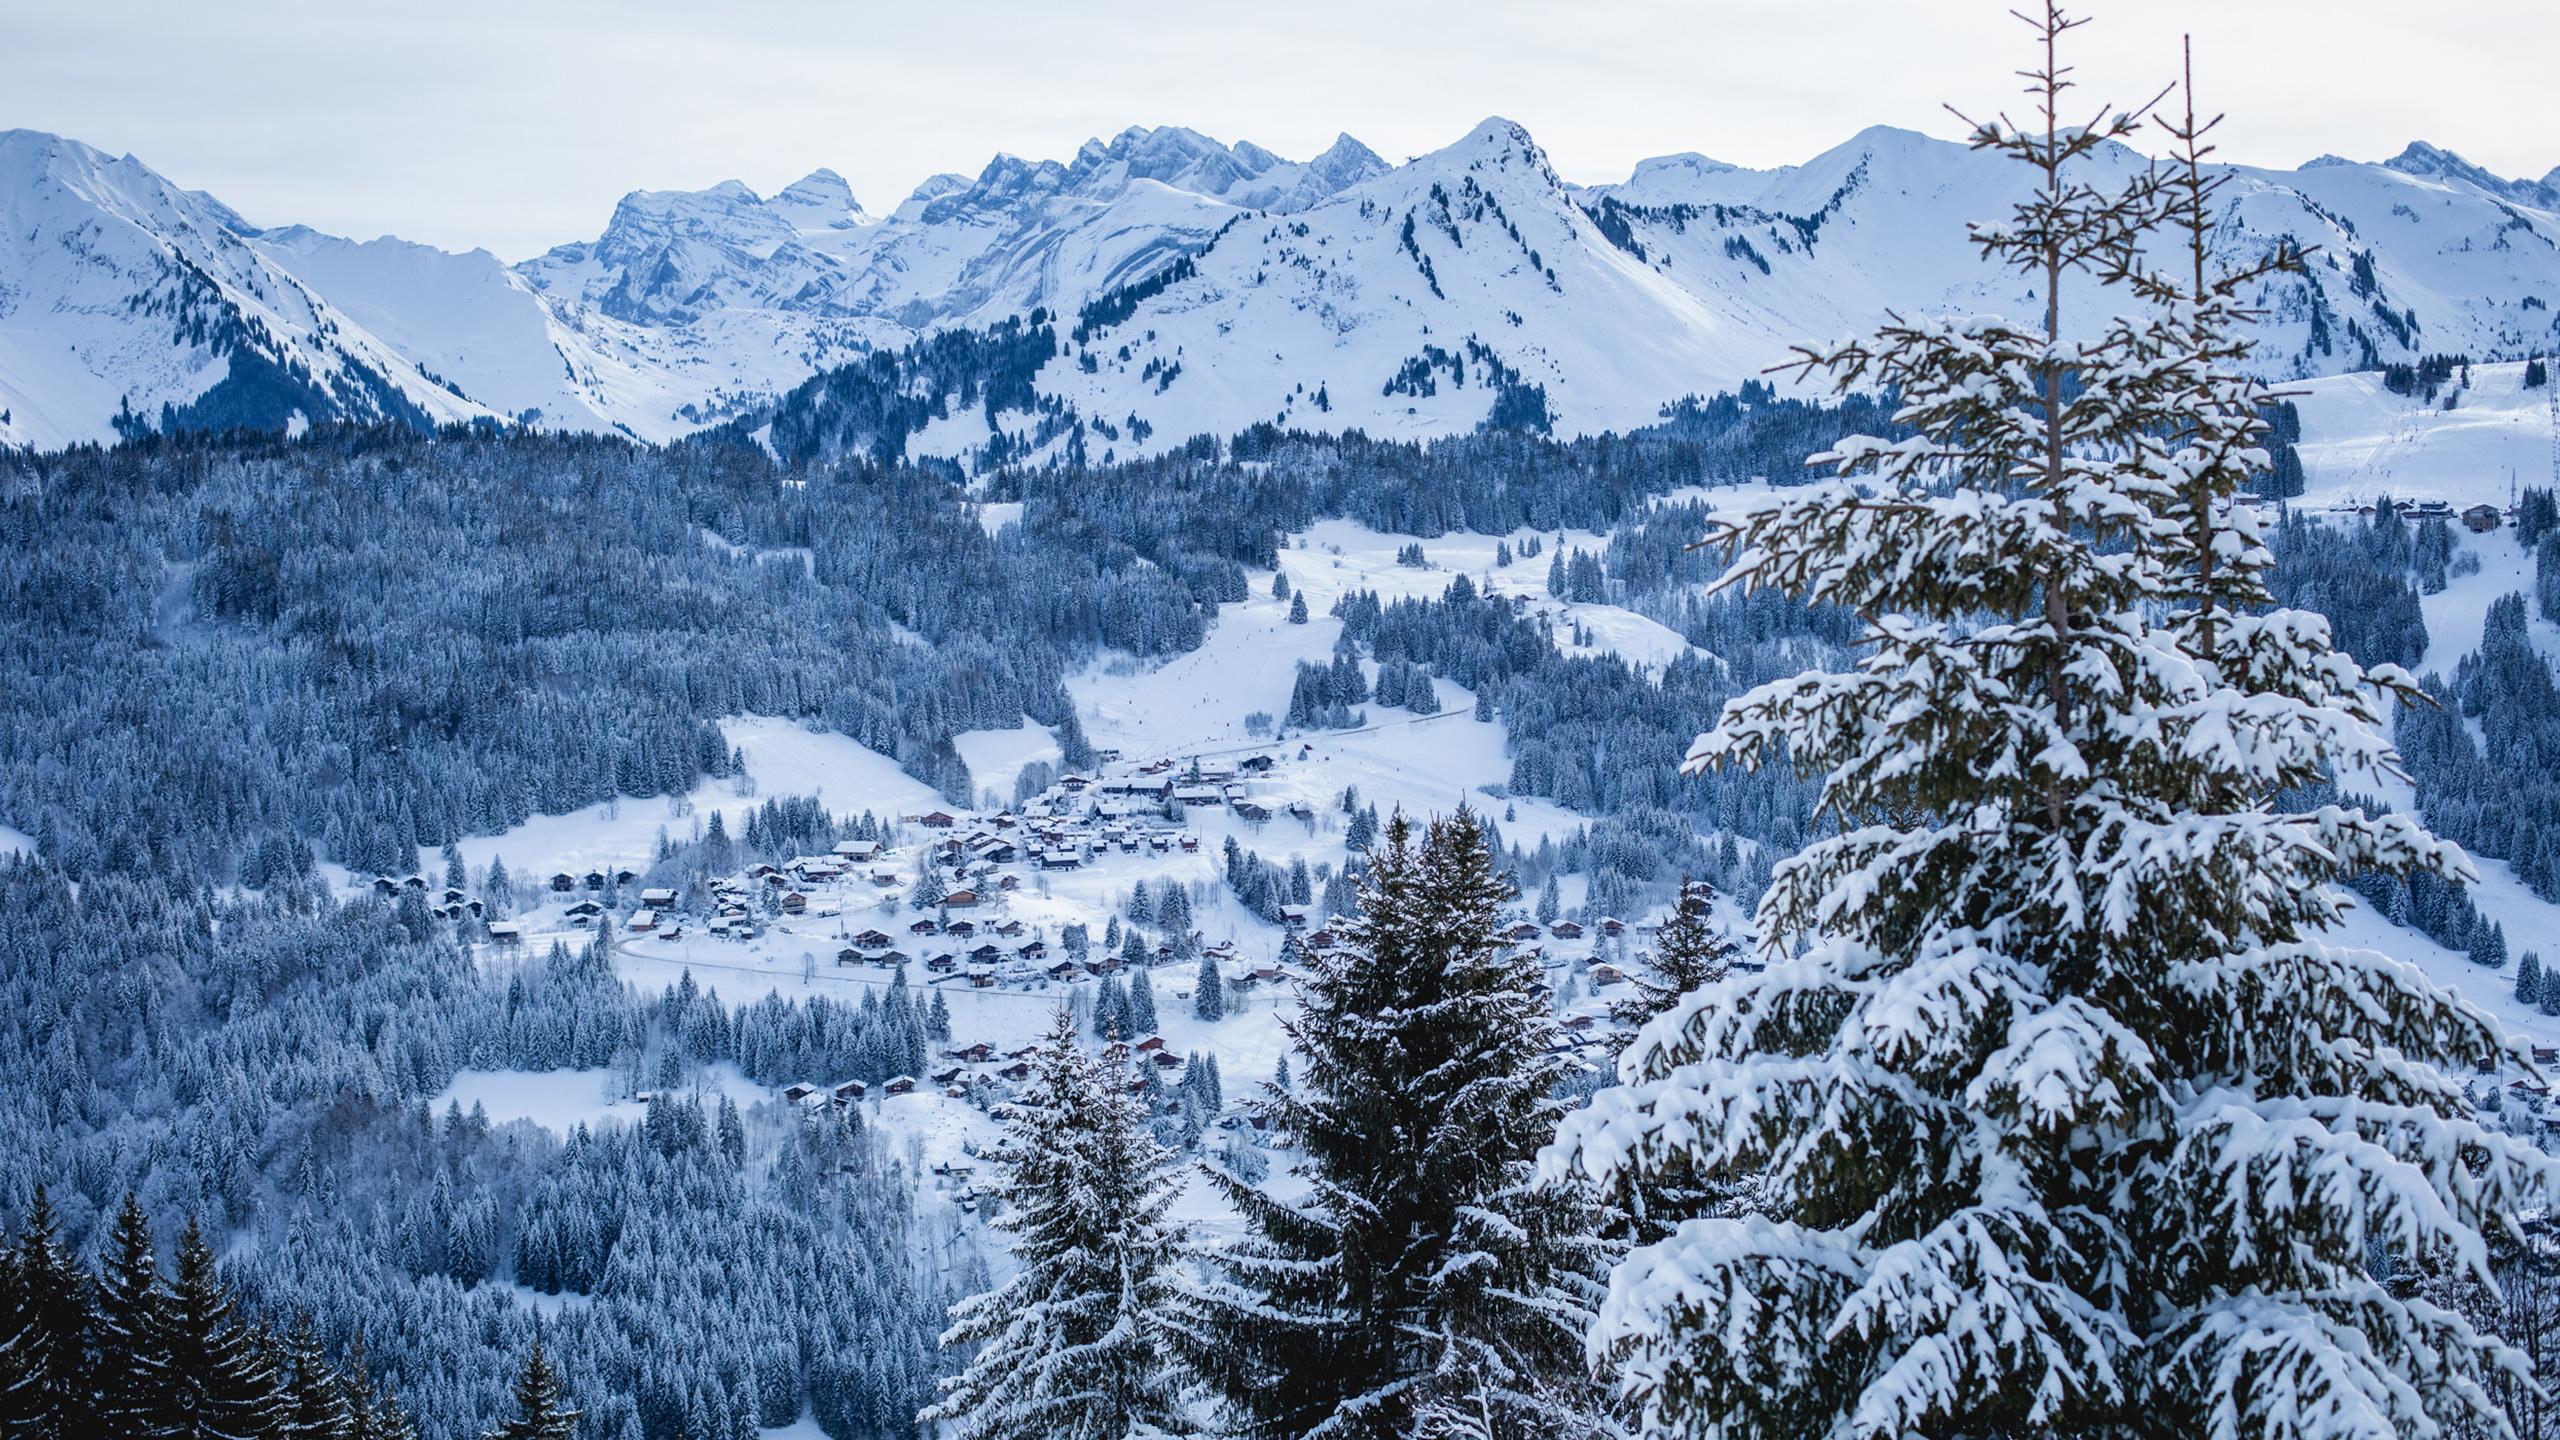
561, 1100
783, 758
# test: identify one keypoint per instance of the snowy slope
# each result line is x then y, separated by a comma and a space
119, 291
2361, 443
464, 317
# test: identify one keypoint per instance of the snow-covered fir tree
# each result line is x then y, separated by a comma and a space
45, 1389
220, 1382
1208, 993
130, 1355
2069, 1118
542, 1410
1688, 954
1424, 1286
1076, 1345
1139, 1011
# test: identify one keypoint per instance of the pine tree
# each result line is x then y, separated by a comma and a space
1297, 609
1424, 1286
1209, 992
44, 1371
321, 1408
1110, 1015
1688, 956
2070, 1122
542, 1412
1140, 1010
1075, 1345
220, 1381
132, 1351
2529, 979
929, 888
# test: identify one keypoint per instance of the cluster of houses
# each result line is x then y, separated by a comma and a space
1079, 819
2480, 519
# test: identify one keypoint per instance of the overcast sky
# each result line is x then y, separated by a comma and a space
515, 124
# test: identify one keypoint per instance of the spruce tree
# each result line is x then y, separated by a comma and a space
44, 1370
1140, 1010
220, 1383
1075, 1345
1688, 955
132, 1350
929, 889
1424, 1285
2529, 979
2070, 1120
1209, 992
321, 1408
542, 1411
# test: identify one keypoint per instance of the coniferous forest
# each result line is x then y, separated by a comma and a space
2003, 1059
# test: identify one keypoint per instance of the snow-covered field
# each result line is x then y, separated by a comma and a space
560, 1100
2360, 442
783, 758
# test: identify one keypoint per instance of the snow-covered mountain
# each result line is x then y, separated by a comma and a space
123, 297
1327, 293
1415, 302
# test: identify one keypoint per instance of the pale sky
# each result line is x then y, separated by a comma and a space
516, 125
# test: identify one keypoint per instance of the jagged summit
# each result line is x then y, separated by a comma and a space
2434, 162
819, 200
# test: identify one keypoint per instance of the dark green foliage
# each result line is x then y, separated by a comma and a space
2497, 794
2357, 575
1422, 1278
542, 1409
150, 1359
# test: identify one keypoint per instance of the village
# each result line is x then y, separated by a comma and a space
1002, 914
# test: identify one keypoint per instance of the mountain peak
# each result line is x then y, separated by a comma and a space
1348, 157
819, 200
2434, 162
